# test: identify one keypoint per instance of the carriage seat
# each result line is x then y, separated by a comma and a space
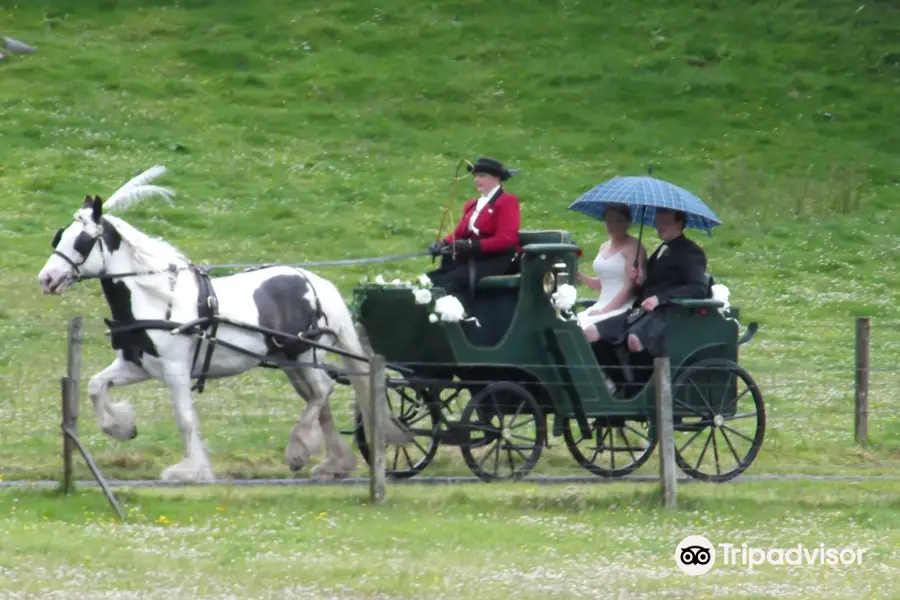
511, 282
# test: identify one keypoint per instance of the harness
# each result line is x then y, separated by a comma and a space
205, 326
208, 309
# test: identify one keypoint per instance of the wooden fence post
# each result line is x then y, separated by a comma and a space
665, 431
375, 429
861, 413
70, 396
65, 389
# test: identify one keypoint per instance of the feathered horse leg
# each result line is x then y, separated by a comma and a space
115, 420
195, 465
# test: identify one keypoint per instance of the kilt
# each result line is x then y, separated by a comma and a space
649, 327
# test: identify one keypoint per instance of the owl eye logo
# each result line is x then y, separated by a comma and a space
695, 555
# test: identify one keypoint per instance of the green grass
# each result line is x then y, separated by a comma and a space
488, 541
301, 131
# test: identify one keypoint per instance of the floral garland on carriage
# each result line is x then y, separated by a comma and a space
449, 309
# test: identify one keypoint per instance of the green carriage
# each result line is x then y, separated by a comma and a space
521, 359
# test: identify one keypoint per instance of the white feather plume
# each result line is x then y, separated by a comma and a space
138, 189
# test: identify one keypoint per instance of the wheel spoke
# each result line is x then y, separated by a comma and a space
702, 395
627, 444
734, 453
600, 457
516, 448
735, 417
725, 393
418, 445
409, 406
632, 429
508, 402
688, 443
497, 458
736, 378
523, 424
516, 415
703, 452
688, 406
484, 458
715, 446
738, 433
396, 456
497, 408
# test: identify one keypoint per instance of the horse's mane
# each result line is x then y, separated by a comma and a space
148, 254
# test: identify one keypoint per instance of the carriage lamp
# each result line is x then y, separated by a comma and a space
562, 273
549, 283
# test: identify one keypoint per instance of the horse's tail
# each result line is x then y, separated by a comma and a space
352, 341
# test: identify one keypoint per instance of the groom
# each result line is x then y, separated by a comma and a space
677, 269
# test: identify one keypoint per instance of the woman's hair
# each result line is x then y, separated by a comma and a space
622, 209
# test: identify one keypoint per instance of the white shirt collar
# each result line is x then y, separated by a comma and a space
480, 205
484, 199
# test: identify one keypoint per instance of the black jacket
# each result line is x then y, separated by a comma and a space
679, 273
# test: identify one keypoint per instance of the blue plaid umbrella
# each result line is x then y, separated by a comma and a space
644, 195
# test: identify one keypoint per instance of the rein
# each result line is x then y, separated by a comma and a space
255, 266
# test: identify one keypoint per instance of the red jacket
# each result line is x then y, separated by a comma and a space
497, 223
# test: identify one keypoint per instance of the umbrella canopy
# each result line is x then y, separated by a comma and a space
644, 195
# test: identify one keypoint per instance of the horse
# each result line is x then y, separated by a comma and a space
154, 292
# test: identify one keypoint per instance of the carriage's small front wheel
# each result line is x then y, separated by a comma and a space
618, 447
719, 419
506, 432
411, 408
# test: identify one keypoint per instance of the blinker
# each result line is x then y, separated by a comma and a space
56, 238
84, 243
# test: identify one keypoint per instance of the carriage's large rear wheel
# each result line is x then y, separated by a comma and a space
411, 407
506, 431
724, 419
618, 447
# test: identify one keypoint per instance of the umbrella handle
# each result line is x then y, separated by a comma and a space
640, 234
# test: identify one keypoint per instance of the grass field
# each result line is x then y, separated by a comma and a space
295, 131
468, 541
298, 131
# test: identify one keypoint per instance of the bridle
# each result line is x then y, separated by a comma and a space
83, 245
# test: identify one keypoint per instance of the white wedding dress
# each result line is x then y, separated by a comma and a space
611, 272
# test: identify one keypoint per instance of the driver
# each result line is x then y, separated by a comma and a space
486, 240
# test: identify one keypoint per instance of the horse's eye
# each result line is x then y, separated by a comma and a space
56, 238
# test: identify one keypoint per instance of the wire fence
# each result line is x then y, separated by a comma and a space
808, 378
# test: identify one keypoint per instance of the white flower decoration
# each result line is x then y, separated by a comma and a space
721, 293
564, 298
422, 296
424, 281
449, 309
379, 280
432, 318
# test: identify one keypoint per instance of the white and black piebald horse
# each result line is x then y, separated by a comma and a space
159, 284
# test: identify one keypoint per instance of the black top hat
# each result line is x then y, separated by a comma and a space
493, 167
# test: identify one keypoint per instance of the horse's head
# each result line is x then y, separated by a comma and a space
77, 249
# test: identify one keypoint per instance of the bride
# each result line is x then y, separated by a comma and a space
614, 265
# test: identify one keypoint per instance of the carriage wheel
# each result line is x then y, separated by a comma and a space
506, 430
618, 447
422, 418
725, 428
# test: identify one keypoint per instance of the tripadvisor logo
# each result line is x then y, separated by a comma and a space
696, 555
